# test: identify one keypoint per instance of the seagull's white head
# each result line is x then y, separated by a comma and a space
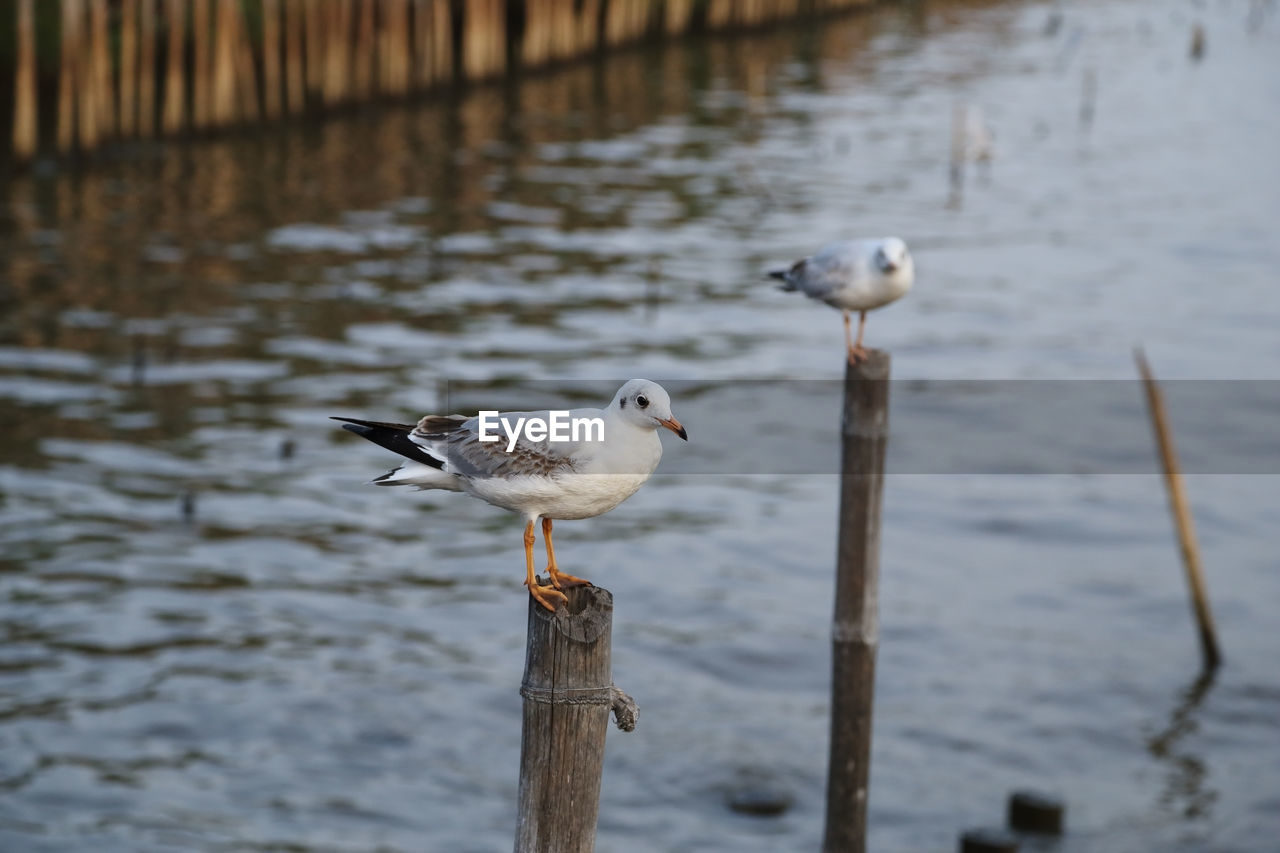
646, 405
892, 258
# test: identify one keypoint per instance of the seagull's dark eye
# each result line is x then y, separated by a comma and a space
642, 401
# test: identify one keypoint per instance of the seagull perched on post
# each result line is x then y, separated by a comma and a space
857, 275
502, 458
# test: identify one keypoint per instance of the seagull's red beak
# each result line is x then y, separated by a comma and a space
674, 425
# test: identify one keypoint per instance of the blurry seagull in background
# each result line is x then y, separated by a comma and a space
583, 477
859, 275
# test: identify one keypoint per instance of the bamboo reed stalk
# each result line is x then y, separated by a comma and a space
1182, 518
317, 18
245, 72
201, 70
222, 110
442, 45
588, 27
70, 35
422, 47
175, 89
678, 15
26, 131
383, 54
363, 56
146, 68
294, 64
533, 47
104, 97
484, 39
128, 67
398, 38
87, 91
719, 14
337, 48
271, 105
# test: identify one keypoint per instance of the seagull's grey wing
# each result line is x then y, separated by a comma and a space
825, 272
457, 439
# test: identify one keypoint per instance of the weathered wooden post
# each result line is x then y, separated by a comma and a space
568, 692
855, 630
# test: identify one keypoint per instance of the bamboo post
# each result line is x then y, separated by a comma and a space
25, 127
855, 630
1181, 516
568, 692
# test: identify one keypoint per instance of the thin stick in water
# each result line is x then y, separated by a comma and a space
1181, 516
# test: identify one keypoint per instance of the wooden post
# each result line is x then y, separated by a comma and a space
568, 691
855, 631
1181, 516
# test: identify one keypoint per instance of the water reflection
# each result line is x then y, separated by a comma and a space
1187, 789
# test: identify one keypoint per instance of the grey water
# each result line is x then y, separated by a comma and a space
216, 636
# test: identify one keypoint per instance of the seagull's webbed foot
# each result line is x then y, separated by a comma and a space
560, 579
857, 355
548, 597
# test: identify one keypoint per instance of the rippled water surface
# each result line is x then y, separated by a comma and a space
216, 636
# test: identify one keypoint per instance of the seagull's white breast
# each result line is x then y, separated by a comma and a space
602, 479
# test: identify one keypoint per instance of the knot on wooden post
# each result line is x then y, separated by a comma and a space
626, 713
625, 710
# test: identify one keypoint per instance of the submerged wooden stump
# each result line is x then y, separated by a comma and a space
568, 692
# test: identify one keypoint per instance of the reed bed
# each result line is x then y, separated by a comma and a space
126, 69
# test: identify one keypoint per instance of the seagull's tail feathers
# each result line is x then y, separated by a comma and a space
423, 469
417, 474
785, 276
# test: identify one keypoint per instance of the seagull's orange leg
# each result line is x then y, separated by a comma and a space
558, 578
540, 594
856, 352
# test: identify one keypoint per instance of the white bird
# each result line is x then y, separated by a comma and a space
857, 275
583, 477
